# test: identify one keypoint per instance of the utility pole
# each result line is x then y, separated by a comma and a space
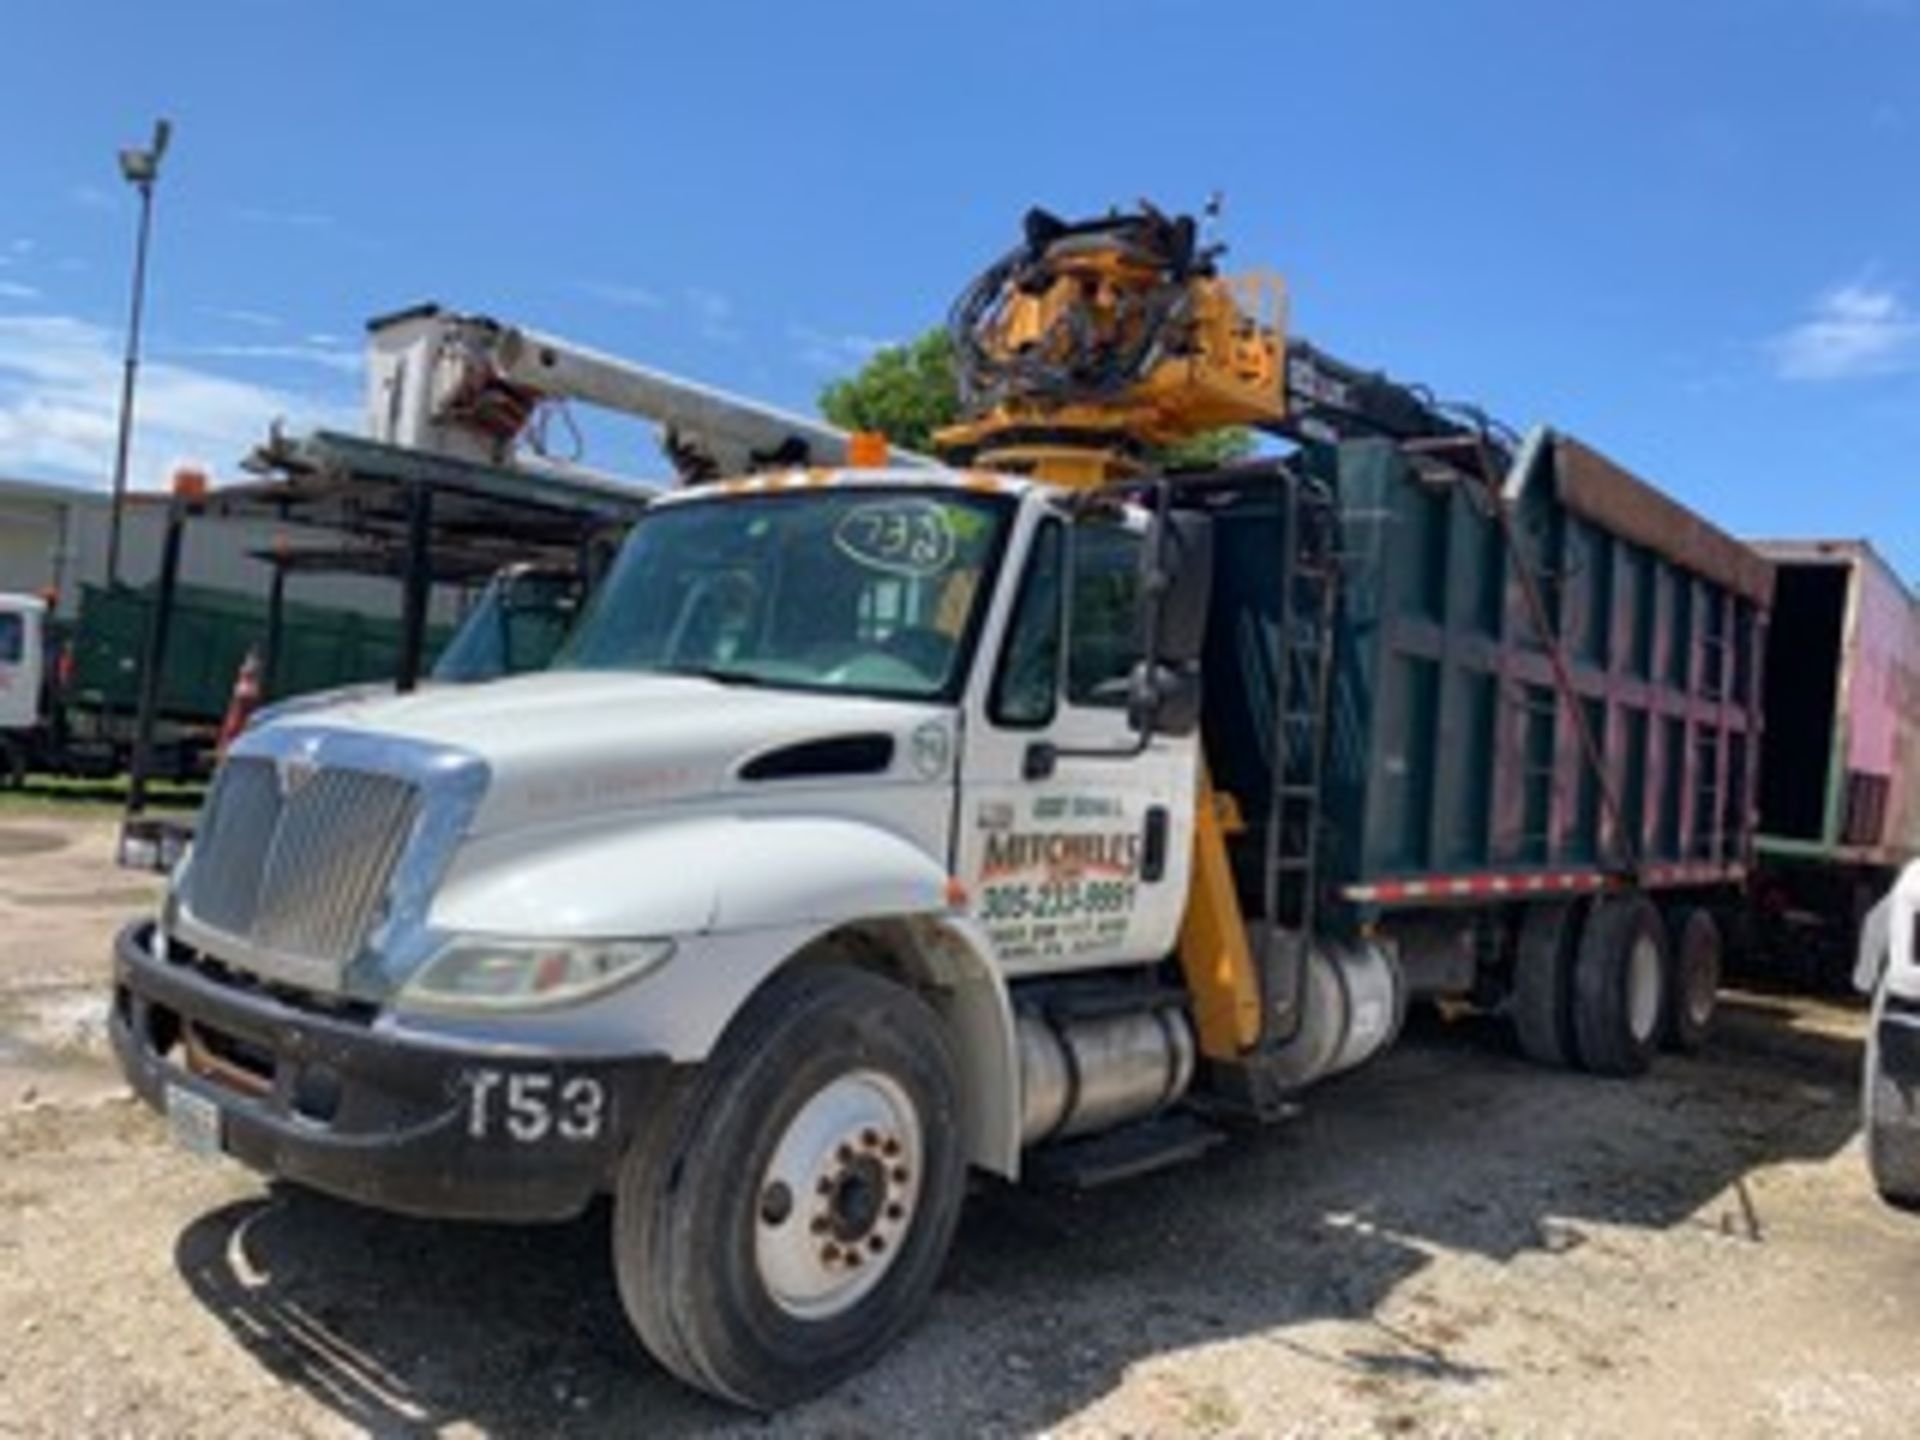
140, 168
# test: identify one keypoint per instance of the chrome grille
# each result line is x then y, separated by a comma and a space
298, 875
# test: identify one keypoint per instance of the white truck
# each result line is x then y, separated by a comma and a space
860, 838
1889, 971
726, 914
23, 621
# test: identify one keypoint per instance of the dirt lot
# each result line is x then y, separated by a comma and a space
1450, 1243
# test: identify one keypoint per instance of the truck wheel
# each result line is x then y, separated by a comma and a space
1543, 983
1893, 1128
1620, 985
1693, 989
789, 1220
1893, 1158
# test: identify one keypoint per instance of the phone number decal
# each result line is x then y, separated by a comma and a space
1056, 899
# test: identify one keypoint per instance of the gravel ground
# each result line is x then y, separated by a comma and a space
1449, 1243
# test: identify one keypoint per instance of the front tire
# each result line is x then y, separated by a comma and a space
1620, 985
13, 765
788, 1221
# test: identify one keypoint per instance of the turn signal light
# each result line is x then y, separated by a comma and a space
866, 450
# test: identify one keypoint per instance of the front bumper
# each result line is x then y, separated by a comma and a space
334, 1101
1893, 1099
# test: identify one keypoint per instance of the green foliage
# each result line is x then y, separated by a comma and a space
1215, 447
906, 392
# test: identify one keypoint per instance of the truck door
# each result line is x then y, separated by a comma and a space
1075, 851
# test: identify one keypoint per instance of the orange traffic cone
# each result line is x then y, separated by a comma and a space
245, 700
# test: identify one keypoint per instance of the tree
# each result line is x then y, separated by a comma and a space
1208, 449
906, 392
909, 391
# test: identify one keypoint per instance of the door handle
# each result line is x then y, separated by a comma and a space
1039, 760
1153, 845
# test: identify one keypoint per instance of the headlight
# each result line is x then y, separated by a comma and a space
488, 973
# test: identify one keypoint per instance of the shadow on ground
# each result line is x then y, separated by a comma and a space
405, 1327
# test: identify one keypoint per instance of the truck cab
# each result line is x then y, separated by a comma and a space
840, 839
23, 620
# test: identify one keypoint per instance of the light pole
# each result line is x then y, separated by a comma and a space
140, 168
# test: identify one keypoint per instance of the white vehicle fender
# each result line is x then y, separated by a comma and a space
742, 896
681, 876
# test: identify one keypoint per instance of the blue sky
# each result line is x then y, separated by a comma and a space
1688, 232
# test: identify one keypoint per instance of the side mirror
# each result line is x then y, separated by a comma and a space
1875, 952
1163, 699
1176, 584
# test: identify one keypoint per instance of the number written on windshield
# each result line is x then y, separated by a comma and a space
899, 535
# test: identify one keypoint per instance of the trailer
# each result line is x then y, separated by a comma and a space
1840, 771
77, 700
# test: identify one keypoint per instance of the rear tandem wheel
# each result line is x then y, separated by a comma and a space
1620, 985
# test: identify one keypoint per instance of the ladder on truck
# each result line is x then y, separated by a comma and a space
1308, 594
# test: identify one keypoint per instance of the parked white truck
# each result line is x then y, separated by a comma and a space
23, 620
1889, 972
724, 914
861, 839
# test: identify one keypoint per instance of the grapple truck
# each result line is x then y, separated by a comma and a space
1035, 815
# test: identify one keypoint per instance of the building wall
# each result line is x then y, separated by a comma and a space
56, 537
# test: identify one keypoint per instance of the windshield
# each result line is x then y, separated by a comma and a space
864, 590
517, 625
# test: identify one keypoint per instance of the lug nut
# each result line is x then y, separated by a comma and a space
890, 1147
896, 1211
869, 1138
876, 1243
776, 1203
853, 1258
821, 1225
899, 1174
830, 1253
825, 1186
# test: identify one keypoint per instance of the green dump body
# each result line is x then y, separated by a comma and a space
211, 633
1454, 768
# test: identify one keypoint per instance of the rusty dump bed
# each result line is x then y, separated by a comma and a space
1454, 765
1840, 780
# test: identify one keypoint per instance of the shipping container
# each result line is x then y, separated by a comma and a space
1840, 773
211, 634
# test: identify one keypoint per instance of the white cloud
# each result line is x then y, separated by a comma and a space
14, 290
1855, 330
91, 197
344, 361
831, 351
289, 219
59, 405
712, 314
632, 297
252, 319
